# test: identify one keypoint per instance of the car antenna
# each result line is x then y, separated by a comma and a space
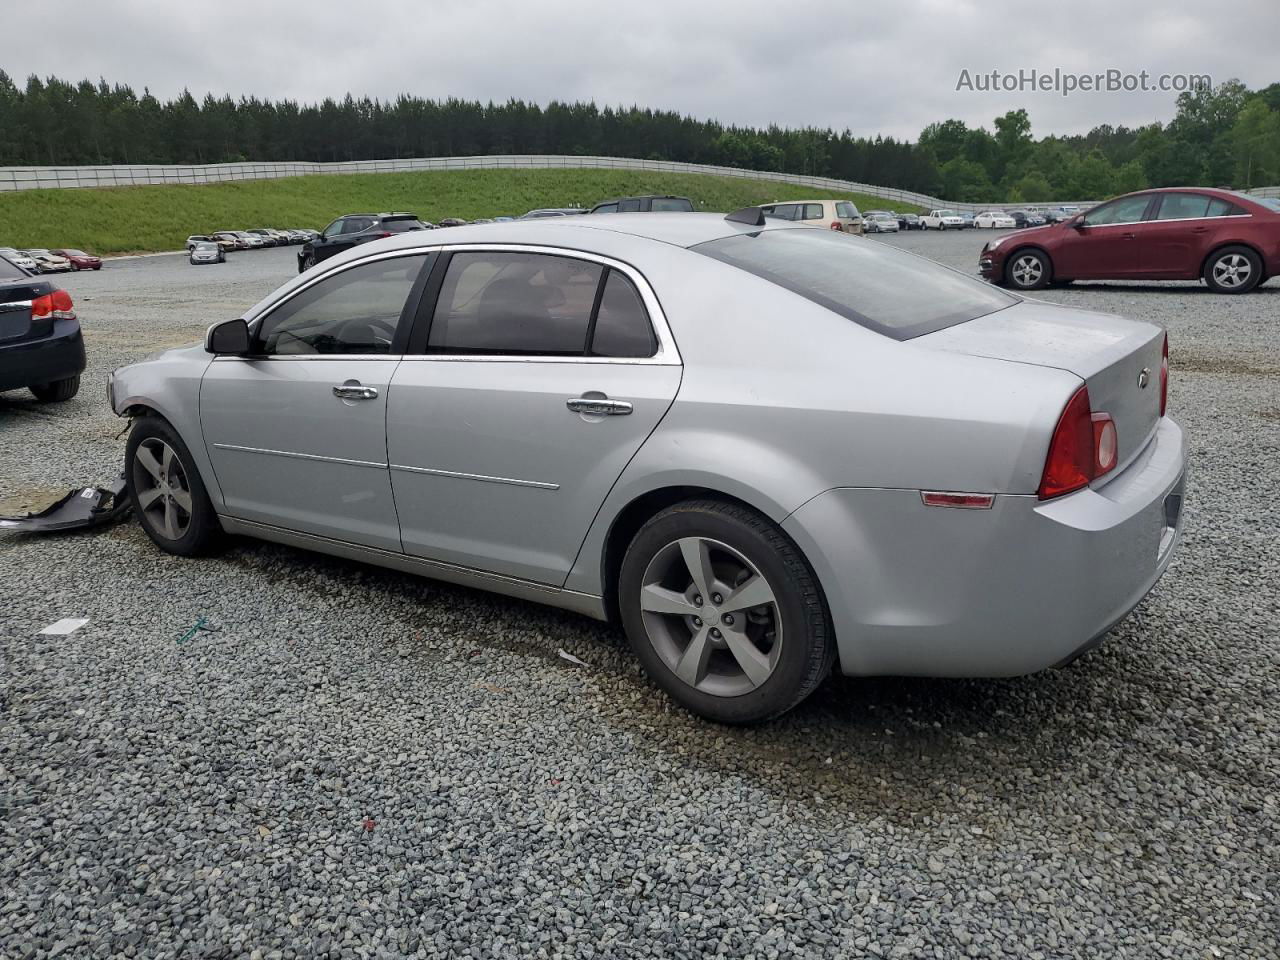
752, 216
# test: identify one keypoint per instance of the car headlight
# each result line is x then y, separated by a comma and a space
111, 390
992, 244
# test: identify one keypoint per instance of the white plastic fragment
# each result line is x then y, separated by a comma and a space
566, 655
64, 626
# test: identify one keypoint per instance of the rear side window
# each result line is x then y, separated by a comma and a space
356, 311
514, 304
622, 326
846, 210
882, 288
629, 206
812, 211
10, 271
356, 224
784, 211
403, 225
672, 204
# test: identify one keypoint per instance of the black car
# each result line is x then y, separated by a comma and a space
41, 346
649, 204
909, 221
353, 229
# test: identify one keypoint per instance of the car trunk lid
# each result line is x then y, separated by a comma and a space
1119, 360
15, 309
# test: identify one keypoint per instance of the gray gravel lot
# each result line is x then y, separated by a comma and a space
361, 764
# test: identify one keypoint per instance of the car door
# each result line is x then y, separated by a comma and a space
1104, 244
531, 380
296, 431
1181, 232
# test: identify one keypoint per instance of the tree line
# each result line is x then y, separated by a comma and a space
1224, 135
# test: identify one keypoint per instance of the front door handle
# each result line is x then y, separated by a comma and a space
353, 390
599, 406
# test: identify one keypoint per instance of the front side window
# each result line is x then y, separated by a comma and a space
607, 208
629, 206
873, 284
1124, 210
356, 311
501, 303
622, 327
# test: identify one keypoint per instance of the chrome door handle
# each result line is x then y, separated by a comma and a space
603, 407
354, 391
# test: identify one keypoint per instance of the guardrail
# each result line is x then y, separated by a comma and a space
129, 175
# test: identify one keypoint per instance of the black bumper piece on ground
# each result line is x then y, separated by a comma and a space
81, 508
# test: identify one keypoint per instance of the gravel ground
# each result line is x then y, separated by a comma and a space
356, 763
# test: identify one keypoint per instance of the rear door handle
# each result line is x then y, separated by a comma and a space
1199, 229
600, 407
353, 390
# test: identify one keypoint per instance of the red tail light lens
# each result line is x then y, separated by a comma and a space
837, 225
1164, 376
55, 306
1085, 446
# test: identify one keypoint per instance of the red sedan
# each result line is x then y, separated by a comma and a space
81, 260
1230, 240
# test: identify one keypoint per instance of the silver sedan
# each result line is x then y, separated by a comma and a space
760, 448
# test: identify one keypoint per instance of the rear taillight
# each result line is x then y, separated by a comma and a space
53, 306
383, 235
1164, 376
837, 225
1085, 446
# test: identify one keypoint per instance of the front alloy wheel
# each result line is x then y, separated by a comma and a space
168, 496
1028, 270
163, 490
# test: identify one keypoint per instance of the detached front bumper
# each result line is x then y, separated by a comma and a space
1026, 585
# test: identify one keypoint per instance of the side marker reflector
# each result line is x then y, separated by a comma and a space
964, 501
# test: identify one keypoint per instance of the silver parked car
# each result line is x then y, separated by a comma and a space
762, 448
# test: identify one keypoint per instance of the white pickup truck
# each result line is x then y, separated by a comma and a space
942, 220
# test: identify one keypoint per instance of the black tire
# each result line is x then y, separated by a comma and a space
57, 391
1028, 269
75, 268
307, 262
806, 648
1233, 270
202, 530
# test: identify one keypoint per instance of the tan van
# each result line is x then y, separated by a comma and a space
831, 214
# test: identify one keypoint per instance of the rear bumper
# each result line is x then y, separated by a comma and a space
55, 357
1026, 585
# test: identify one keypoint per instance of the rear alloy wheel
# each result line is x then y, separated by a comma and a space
168, 496
1028, 270
57, 391
1233, 270
308, 262
723, 612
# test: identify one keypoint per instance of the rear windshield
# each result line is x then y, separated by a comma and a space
846, 210
9, 271
403, 225
887, 290
678, 204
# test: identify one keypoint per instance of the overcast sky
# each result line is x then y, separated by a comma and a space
887, 68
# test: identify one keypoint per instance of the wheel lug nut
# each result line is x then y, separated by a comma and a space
715, 633
697, 599
727, 619
716, 598
697, 621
